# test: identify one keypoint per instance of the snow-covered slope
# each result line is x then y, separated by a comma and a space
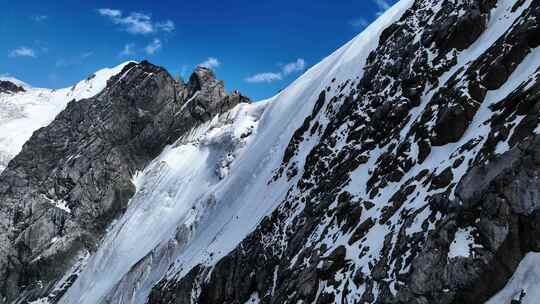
24, 112
183, 192
375, 186
403, 168
524, 285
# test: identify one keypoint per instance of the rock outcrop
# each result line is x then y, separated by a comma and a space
9, 87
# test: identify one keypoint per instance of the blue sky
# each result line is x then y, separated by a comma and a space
258, 47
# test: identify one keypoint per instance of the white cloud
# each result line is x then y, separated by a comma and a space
264, 77
22, 52
359, 23
297, 66
166, 26
110, 12
153, 47
136, 23
75, 60
210, 63
40, 18
128, 50
383, 5
287, 69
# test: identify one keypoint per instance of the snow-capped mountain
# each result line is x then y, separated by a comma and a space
24, 109
403, 168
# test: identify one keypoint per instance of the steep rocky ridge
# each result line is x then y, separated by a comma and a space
74, 176
374, 213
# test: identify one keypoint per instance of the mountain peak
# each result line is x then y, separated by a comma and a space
7, 86
200, 78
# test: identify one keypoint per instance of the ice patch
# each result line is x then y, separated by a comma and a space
462, 244
138, 180
60, 204
253, 299
40, 301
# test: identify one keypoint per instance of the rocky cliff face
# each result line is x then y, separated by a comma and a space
74, 177
8, 87
403, 168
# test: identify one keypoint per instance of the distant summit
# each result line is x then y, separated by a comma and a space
7, 86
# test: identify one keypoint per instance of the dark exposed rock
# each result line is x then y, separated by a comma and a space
451, 125
332, 263
10, 87
308, 285
506, 224
495, 76
443, 179
458, 32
